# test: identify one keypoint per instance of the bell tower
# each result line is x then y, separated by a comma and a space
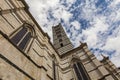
60, 40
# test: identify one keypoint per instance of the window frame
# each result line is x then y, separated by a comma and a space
83, 68
31, 30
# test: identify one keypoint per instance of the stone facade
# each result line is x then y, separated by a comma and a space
26, 52
94, 69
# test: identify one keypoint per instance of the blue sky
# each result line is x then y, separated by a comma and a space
96, 22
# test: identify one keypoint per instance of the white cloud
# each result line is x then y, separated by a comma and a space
40, 10
62, 13
52, 3
70, 1
88, 11
114, 3
66, 15
113, 44
76, 24
92, 32
116, 60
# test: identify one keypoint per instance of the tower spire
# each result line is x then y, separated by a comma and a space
104, 57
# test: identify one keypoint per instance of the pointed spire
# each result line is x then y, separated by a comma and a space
104, 57
59, 24
80, 42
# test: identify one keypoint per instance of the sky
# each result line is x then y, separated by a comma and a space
96, 22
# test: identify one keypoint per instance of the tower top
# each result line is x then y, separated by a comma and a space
57, 25
104, 57
60, 40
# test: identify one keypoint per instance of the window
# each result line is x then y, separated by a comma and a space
54, 70
58, 32
22, 37
80, 71
59, 36
61, 45
57, 28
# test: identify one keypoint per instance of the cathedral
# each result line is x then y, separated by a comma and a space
26, 52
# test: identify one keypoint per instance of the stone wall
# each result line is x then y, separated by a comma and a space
39, 60
35, 62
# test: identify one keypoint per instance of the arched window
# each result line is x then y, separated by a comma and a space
22, 37
80, 71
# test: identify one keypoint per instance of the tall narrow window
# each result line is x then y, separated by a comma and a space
25, 41
61, 44
15, 39
80, 71
54, 70
22, 37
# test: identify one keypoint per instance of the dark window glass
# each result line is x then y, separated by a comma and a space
57, 28
78, 74
25, 41
61, 45
22, 38
15, 39
58, 32
54, 70
80, 71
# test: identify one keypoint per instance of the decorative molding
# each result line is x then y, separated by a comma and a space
8, 22
28, 57
39, 54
